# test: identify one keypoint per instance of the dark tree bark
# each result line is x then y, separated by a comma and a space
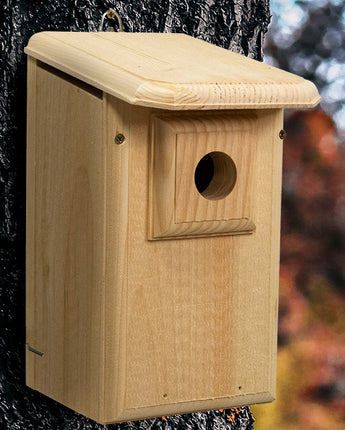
238, 25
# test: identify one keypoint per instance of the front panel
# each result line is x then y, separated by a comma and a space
198, 323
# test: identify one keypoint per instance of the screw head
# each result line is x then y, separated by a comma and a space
110, 13
119, 139
282, 134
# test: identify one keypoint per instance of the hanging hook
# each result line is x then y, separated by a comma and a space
110, 14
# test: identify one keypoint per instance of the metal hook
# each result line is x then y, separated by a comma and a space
110, 14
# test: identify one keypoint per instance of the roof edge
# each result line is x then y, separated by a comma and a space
227, 96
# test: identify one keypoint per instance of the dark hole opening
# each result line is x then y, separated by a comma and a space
215, 175
204, 173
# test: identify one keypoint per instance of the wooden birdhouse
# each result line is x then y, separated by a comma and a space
153, 222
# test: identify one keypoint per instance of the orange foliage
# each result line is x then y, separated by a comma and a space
311, 360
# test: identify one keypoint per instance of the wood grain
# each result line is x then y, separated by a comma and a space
31, 301
200, 315
117, 224
171, 71
131, 328
65, 248
179, 143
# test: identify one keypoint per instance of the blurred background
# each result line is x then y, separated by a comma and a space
307, 37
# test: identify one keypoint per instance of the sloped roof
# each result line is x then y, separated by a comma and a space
171, 71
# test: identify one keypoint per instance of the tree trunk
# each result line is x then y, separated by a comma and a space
238, 25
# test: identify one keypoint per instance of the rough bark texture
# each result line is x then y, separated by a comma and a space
238, 25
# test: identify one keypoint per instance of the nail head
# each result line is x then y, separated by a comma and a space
119, 139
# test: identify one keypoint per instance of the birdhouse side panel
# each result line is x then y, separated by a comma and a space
65, 240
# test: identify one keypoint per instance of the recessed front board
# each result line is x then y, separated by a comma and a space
203, 174
153, 223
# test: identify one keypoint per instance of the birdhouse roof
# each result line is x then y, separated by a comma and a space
171, 71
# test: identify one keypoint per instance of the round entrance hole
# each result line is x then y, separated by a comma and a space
215, 175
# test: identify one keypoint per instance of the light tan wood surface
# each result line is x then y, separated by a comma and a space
179, 143
171, 71
65, 242
120, 327
194, 320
